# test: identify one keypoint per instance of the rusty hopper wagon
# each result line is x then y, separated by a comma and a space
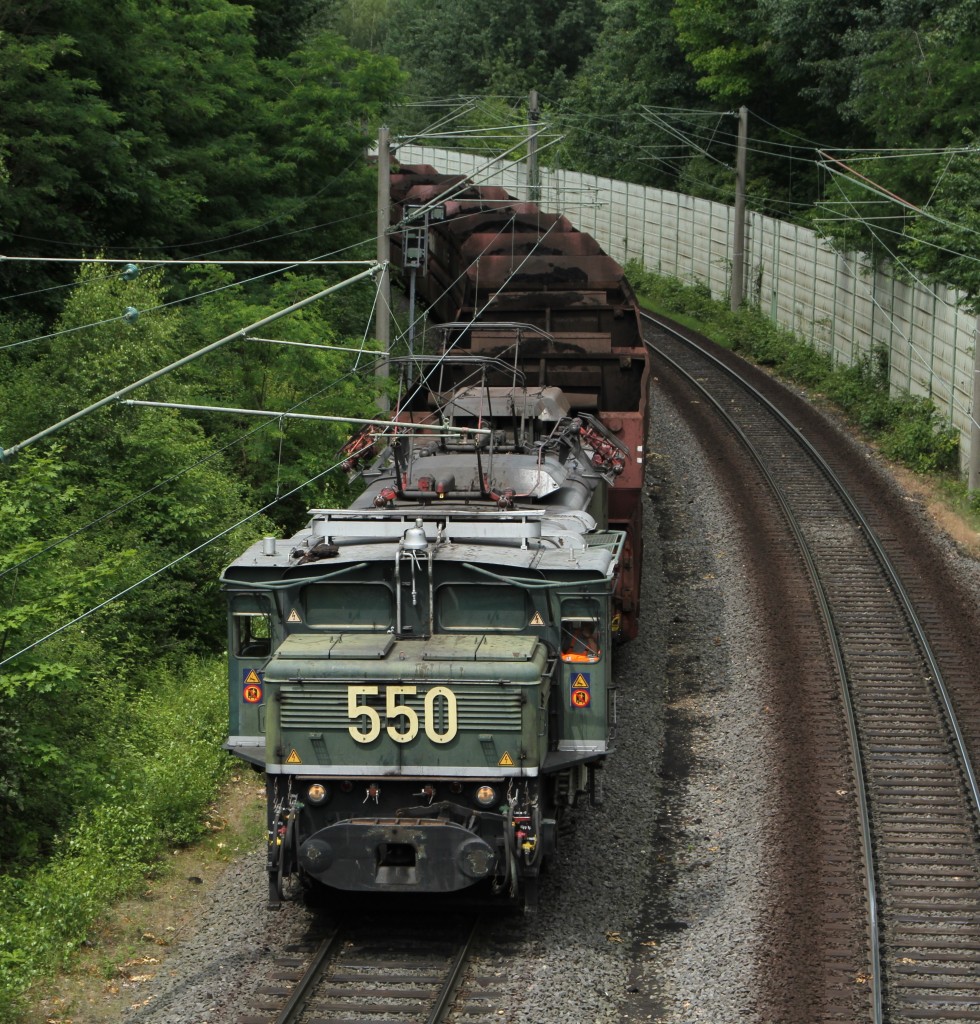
425, 677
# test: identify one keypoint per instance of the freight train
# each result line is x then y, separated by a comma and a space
425, 677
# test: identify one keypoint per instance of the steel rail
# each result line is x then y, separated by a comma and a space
305, 988
311, 977
448, 992
903, 604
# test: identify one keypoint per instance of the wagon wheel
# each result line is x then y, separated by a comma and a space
561, 789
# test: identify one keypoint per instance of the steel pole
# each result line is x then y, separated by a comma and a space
974, 480
382, 319
738, 234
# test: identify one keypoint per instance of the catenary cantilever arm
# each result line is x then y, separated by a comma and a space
7, 454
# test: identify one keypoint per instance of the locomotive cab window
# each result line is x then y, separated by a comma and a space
253, 635
581, 632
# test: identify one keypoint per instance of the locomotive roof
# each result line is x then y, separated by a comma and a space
543, 540
531, 477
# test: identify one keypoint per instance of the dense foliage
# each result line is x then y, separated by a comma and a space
158, 130
167, 762
171, 127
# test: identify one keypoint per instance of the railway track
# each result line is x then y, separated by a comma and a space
918, 796
375, 970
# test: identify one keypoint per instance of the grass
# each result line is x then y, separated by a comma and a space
128, 946
168, 764
961, 501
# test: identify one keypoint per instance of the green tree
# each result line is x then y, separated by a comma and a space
134, 129
806, 38
48, 695
161, 127
322, 105
166, 489
274, 457
280, 25
58, 145
914, 87
520, 43
95, 526
917, 80
608, 131
453, 48
363, 23
728, 45
441, 44
943, 240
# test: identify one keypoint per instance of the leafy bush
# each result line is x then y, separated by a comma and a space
167, 763
862, 391
180, 762
918, 438
669, 293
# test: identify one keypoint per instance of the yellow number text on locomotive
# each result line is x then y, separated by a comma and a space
401, 720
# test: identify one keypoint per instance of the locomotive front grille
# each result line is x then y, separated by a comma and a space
324, 705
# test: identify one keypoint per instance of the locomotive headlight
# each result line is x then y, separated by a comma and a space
317, 793
486, 796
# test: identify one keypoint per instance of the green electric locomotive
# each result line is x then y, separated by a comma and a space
425, 676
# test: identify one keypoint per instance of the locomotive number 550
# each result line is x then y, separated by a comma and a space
366, 731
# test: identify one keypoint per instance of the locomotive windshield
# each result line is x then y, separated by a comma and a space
478, 606
349, 606
253, 635
251, 622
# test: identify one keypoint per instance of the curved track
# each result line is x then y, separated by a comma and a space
918, 797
